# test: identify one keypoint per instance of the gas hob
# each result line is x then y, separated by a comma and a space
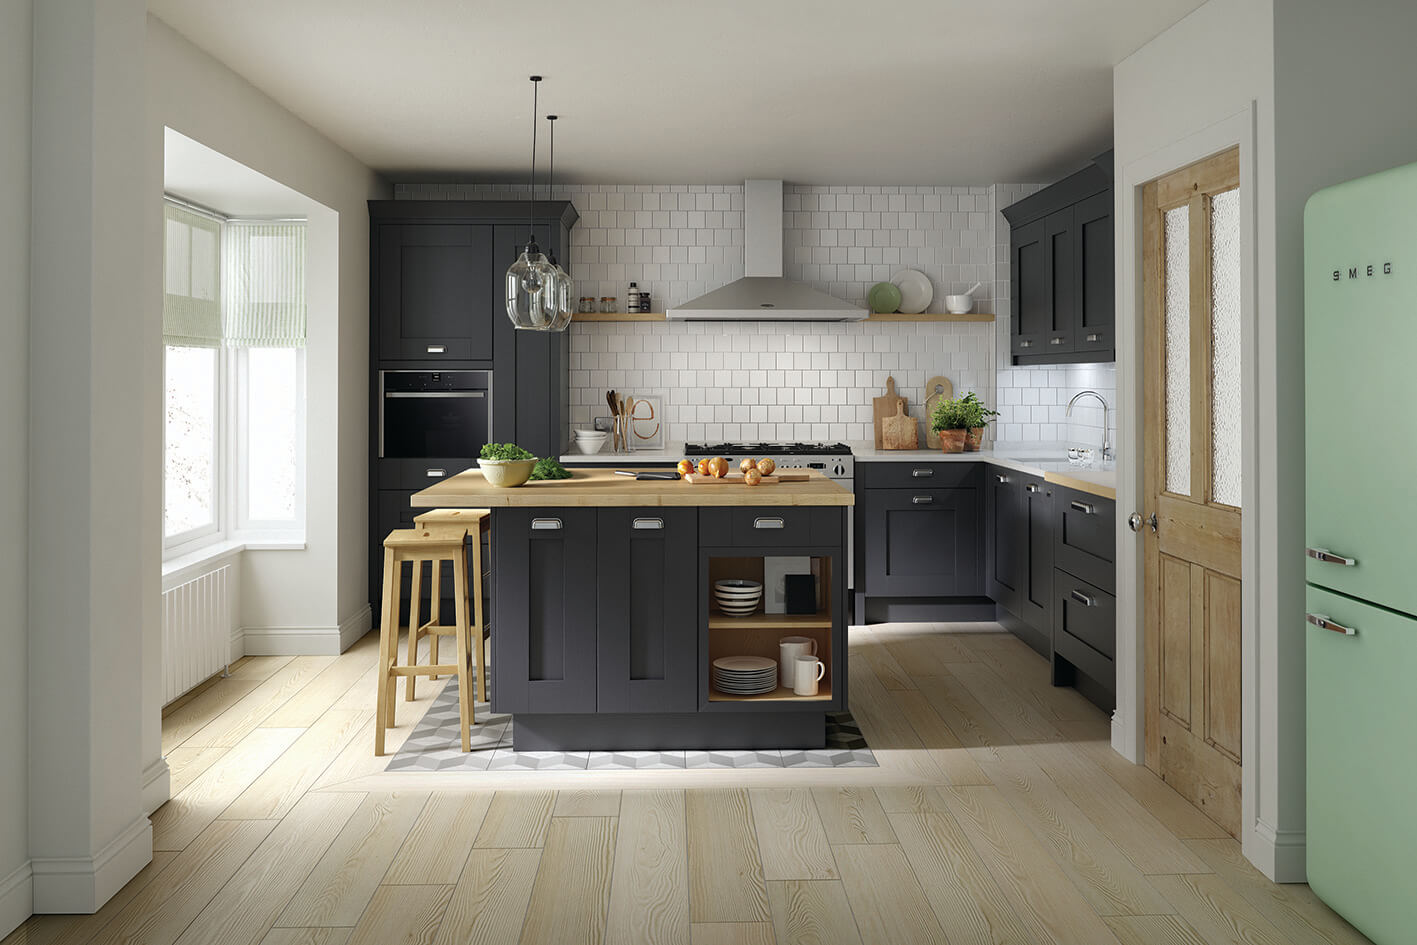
833, 460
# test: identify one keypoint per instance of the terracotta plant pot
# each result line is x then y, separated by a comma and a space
973, 438
952, 441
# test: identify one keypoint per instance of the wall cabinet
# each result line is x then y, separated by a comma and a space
436, 292
1062, 299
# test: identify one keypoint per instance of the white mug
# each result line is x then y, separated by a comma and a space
789, 648
809, 672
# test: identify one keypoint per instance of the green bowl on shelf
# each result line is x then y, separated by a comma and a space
884, 298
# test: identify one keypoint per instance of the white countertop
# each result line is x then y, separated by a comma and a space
1048, 461
1045, 460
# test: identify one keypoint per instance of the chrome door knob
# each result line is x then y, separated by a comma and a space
1135, 520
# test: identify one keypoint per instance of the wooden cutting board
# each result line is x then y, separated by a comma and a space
736, 479
885, 407
936, 390
900, 432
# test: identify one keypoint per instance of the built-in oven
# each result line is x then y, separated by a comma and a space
434, 414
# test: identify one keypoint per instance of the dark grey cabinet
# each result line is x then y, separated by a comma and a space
922, 542
647, 610
1019, 550
1084, 609
436, 292
1061, 253
545, 576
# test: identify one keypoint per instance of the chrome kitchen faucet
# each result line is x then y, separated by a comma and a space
1106, 430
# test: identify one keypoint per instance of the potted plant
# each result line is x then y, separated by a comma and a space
950, 421
977, 416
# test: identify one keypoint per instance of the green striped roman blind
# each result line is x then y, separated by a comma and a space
263, 292
191, 302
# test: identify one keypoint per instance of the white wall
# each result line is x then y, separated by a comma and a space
1344, 75
15, 30
1205, 84
88, 830
294, 601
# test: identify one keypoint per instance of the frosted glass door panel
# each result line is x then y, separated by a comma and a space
1177, 317
1225, 346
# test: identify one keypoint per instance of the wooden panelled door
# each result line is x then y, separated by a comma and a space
1191, 259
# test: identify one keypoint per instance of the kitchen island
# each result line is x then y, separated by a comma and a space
603, 622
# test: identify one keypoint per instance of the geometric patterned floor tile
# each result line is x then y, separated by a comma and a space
734, 758
434, 745
636, 760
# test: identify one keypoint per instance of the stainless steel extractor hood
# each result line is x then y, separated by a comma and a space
763, 294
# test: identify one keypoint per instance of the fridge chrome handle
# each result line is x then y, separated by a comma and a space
1323, 622
1328, 557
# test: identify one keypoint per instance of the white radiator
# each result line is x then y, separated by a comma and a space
196, 631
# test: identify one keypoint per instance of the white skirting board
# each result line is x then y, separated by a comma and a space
82, 884
16, 898
302, 641
157, 785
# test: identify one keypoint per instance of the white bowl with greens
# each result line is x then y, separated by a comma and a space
505, 465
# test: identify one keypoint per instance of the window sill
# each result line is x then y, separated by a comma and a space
179, 568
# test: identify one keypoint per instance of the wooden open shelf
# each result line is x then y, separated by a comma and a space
760, 621
893, 317
824, 694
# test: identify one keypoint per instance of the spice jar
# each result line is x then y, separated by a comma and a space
607, 304
587, 305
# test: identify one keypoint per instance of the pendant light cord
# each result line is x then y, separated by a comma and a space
551, 164
535, 88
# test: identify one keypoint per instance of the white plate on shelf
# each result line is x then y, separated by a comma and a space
915, 291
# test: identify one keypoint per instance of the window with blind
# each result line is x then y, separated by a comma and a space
234, 371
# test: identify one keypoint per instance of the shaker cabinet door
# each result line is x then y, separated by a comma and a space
923, 543
544, 625
435, 292
647, 610
1004, 537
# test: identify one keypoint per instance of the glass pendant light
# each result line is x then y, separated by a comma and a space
563, 286
530, 275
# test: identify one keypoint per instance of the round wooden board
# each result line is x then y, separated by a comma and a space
946, 390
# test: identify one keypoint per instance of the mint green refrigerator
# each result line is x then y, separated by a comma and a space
1360, 353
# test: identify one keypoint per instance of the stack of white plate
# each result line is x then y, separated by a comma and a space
744, 675
591, 441
736, 597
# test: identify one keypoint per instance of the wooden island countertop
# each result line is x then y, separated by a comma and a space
601, 487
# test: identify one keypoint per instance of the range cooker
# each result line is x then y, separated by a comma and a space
833, 460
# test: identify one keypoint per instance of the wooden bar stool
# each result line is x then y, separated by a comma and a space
479, 522
434, 544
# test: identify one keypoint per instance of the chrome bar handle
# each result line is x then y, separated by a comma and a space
435, 473
1032, 487
1093, 337
1056, 341
922, 500
767, 523
922, 472
437, 349
1000, 479
545, 524
1081, 598
1026, 343
1324, 623
1086, 508
649, 523
1328, 557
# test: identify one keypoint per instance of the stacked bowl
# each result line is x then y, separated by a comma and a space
736, 597
590, 441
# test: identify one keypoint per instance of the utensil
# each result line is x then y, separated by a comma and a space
883, 407
974, 288
807, 675
937, 389
915, 290
900, 432
884, 298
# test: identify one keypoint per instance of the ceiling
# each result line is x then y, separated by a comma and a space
669, 91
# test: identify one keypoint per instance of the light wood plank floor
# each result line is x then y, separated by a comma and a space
998, 816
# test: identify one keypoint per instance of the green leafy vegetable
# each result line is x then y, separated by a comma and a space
504, 451
549, 468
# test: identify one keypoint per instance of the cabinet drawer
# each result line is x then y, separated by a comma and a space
419, 474
1085, 612
770, 526
1086, 536
893, 475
